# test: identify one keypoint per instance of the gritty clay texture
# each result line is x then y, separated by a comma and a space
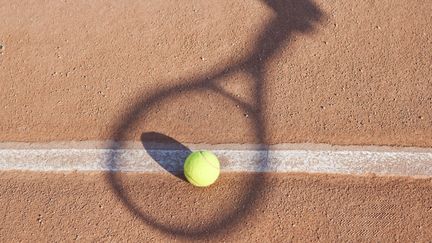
284, 207
351, 72
293, 71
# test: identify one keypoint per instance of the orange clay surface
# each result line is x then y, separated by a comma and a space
292, 71
285, 207
352, 72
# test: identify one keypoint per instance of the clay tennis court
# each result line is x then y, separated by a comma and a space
80, 77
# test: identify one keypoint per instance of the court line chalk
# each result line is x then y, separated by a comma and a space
310, 158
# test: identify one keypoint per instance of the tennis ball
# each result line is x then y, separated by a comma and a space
202, 168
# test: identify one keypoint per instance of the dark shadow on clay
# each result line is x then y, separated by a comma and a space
171, 161
290, 17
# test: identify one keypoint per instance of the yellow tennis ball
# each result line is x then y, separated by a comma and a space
202, 168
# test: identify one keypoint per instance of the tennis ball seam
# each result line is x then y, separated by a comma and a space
194, 181
205, 158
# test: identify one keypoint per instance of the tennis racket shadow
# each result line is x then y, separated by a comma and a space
169, 153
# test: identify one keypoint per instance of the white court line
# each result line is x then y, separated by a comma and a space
84, 156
